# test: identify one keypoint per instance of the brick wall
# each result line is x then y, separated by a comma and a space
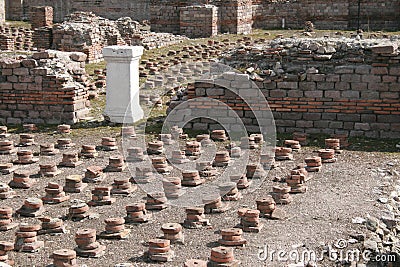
138, 9
46, 88
327, 14
15, 38
41, 16
165, 15
236, 16
199, 21
355, 91
14, 9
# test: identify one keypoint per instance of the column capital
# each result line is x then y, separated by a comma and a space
116, 53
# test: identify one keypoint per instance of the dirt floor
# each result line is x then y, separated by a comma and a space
323, 215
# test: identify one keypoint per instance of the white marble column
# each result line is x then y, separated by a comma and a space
122, 96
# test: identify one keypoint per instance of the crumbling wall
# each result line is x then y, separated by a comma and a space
317, 86
44, 88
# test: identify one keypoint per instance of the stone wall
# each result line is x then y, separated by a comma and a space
46, 88
317, 86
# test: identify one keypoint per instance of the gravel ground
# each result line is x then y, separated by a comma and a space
340, 192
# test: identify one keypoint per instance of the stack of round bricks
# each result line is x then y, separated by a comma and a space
3, 132
176, 132
78, 211
48, 150
6, 220
115, 164
160, 164
21, 179
214, 204
4, 248
241, 181
26, 238
54, 194
283, 153
235, 152
64, 129
51, 226
195, 218
293, 144
301, 137
178, 157
128, 131
248, 143
74, 184
254, 171
93, 174
166, 139
25, 156
219, 135
88, 151
30, 127
70, 159
7, 168
314, 164
115, 229
156, 201
64, 258
332, 143
122, 186
64, 143
6, 191
87, 244
32, 207
160, 250
101, 195
143, 175
173, 232
267, 161
230, 192
204, 139
327, 155
172, 187
250, 220
191, 178
266, 206
7, 147
258, 138
232, 237
137, 213
206, 169
221, 159
109, 144
193, 148
222, 256
155, 148
135, 154
281, 195
296, 181
48, 169
26, 139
